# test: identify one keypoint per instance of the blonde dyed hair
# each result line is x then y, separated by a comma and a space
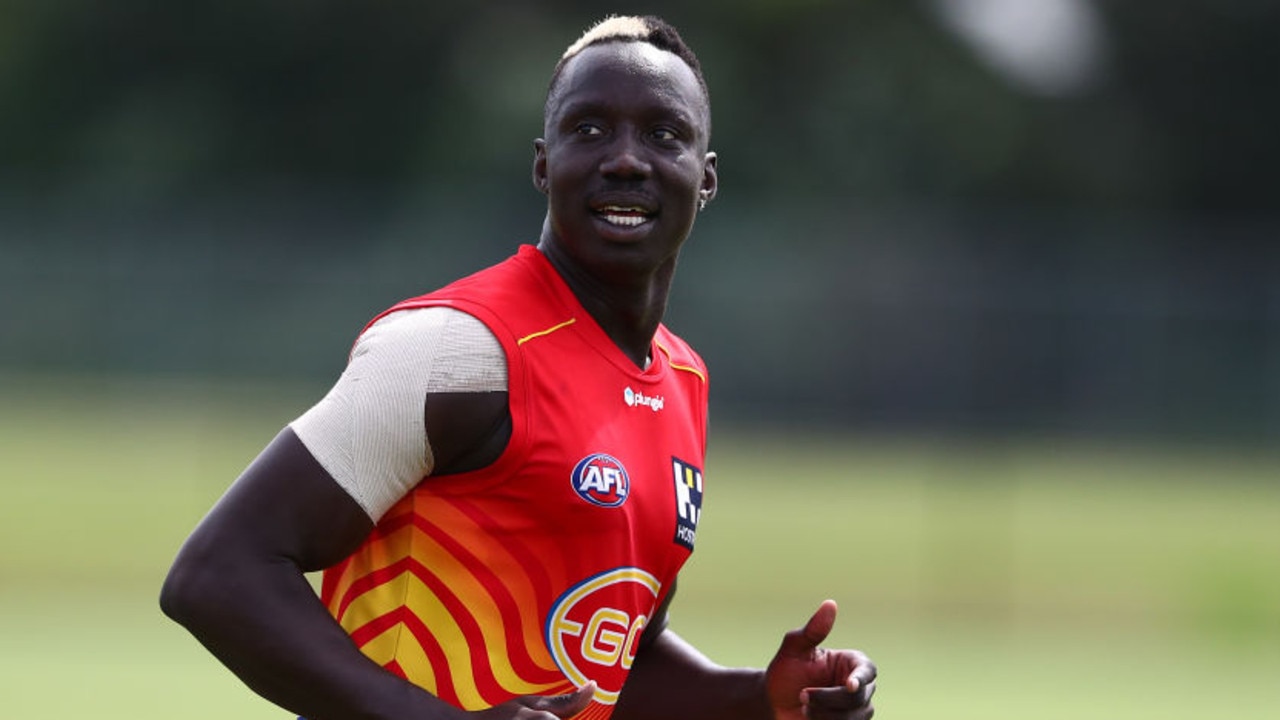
633, 28
614, 27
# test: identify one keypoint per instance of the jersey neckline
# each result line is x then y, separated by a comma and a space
587, 326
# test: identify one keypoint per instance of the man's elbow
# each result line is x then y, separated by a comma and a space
189, 591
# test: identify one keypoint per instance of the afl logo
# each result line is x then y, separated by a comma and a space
601, 480
594, 628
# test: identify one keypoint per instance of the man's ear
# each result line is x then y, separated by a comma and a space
540, 165
710, 179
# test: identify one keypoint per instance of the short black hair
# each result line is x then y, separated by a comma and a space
632, 28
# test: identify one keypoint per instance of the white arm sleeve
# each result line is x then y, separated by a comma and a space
368, 432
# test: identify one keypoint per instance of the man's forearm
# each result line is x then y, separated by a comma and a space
671, 680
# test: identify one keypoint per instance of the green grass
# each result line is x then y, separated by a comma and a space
1030, 579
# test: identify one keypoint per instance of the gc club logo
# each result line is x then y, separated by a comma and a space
601, 480
594, 628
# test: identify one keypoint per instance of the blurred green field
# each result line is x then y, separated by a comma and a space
1032, 579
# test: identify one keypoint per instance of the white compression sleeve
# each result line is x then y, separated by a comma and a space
368, 432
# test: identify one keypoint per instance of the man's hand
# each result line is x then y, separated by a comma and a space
805, 681
537, 707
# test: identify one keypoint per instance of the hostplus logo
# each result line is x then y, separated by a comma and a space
635, 399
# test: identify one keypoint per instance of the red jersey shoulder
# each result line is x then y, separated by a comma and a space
679, 353
500, 295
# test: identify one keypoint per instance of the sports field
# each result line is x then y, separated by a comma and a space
1037, 579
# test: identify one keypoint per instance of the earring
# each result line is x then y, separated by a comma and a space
702, 204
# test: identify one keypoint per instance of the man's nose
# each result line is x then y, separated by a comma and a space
625, 158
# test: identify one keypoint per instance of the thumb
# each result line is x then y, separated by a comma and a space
803, 641
567, 705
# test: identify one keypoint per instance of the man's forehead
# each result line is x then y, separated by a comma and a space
634, 53
633, 59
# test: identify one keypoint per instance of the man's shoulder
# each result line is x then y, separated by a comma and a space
492, 295
505, 277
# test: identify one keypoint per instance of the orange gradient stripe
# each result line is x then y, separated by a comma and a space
451, 623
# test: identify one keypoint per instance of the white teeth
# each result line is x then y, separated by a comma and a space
627, 220
634, 215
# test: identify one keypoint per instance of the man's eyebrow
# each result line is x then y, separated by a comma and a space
578, 108
582, 107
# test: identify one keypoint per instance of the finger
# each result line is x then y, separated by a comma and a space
803, 641
864, 712
567, 705
839, 698
864, 671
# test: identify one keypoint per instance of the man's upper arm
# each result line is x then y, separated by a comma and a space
285, 506
318, 488
370, 432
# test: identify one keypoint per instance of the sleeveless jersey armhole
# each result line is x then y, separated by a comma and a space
369, 431
517, 384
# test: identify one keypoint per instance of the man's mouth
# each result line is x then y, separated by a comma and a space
623, 215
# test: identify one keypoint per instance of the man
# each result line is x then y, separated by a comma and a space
506, 480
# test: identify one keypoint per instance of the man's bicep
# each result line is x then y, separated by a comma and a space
285, 505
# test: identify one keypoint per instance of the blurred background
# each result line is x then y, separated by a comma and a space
990, 295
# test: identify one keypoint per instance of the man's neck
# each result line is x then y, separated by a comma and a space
627, 309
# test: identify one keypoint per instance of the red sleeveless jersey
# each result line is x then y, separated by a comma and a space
538, 573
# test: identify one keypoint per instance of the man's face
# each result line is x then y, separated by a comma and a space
624, 161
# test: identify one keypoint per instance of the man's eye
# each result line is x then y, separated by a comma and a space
588, 129
665, 134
